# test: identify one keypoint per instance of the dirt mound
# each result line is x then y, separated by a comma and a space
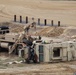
69, 33
51, 31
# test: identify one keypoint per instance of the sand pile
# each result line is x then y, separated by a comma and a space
17, 29
51, 31
69, 33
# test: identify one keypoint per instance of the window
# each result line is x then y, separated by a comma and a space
41, 55
56, 52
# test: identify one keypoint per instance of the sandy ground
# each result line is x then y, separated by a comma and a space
56, 68
64, 11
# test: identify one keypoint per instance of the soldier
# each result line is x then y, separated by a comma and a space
27, 29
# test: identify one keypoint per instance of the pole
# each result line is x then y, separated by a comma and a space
45, 22
52, 23
38, 21
58, 23
26, 19
14, 18
20, 19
